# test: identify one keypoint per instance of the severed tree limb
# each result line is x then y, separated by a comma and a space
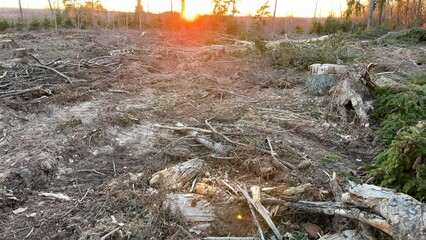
396, 214
206, 142
233, 142
259, 228
337, 222
182, 128
110, 233
278, 162
19, 92
217, 147
4, 75
261, 210
65, 77
405, 215
341, 209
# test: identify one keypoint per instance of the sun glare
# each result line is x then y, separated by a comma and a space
190, 16
192, 10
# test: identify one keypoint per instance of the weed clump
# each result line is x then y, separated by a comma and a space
300, 56
332, 158
3, 25
409, 36
402, 112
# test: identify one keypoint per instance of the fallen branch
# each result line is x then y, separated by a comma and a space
4, 75
206, 142
118, 91
67, 79
231, 141
259, 228
110, 233
344, 210
55, 195
396, 214
19, 92
285, 165
261, 210
181, 127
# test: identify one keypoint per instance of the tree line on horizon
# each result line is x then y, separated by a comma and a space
386, 14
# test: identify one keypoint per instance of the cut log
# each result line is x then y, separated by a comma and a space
351, 93
206, 142
319, 84
178, 176
193, 208
203, 188
19, 52
327, 68
396, 214
8, 44
212, 52
292, 194
405, 215
323, 77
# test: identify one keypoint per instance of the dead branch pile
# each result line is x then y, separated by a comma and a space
23, 73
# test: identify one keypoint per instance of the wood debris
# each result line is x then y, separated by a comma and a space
193, 208
179, 175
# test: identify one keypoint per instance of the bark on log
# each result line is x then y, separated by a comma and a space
206, 142
352, 92
405, 215
396, 214
179, 175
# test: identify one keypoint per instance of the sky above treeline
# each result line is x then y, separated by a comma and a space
296, 8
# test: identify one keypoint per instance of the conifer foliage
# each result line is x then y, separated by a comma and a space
402, 165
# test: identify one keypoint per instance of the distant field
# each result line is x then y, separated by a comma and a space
10, 13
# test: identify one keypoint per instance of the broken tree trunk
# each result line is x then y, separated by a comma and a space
396, 214
206, 142
405, 215
212, 52
179, 175
352, 92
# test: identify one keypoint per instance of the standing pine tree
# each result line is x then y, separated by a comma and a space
139, 14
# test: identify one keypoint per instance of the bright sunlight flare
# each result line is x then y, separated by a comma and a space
195, 8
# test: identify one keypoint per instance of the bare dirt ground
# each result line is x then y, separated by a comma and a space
96, 140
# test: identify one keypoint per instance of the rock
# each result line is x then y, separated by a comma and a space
179, 175
312, 229
304, 165
326, 125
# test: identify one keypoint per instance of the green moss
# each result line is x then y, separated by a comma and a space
332, 158
298, 236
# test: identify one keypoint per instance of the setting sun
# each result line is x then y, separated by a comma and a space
195, 8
